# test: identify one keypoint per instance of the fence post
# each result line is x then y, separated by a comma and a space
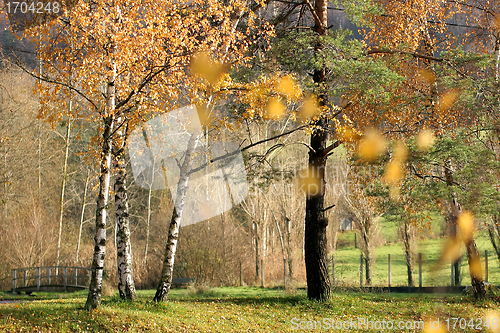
420, 270
361, 270
48, 275
389, 258
355, 241
38, 279
333, 270
65, 278
262, 272
485, 265
13, 280
452, 275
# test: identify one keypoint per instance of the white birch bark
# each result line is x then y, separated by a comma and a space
126, 286
95, 288
173, 230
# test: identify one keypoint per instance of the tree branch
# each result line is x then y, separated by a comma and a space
201, 167
413, 54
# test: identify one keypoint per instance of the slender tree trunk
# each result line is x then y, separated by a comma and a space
126, 286
368, 266
63, 186
493, 231
150, 191
257, 249
475, 274
472, 252
408, 240
173, 231
289, 252
95, 288
315, 240
82, 217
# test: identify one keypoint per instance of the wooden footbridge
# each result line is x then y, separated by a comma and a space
50, 278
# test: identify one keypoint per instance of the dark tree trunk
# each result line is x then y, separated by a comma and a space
411, 281
476, 274
315, 242
456, 272
368, 267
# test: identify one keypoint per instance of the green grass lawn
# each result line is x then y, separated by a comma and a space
347, 263
242, 309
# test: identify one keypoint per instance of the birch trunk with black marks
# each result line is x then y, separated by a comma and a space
126, 286
95, 288
173, 230
315, 240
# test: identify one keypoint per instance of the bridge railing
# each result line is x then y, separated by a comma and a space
50, 276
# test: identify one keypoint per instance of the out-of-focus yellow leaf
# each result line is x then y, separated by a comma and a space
428, 76
393, 172
288, 87
275, 109
400, 152
451, 250
372, 146
475, 268
310, 182
203, 114
447, 99
310, 107
492, 322
466, 225
425, 140
203, 66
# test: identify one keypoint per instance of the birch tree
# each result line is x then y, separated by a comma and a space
131, 60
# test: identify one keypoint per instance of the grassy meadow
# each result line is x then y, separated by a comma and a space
347, 259
240, 309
